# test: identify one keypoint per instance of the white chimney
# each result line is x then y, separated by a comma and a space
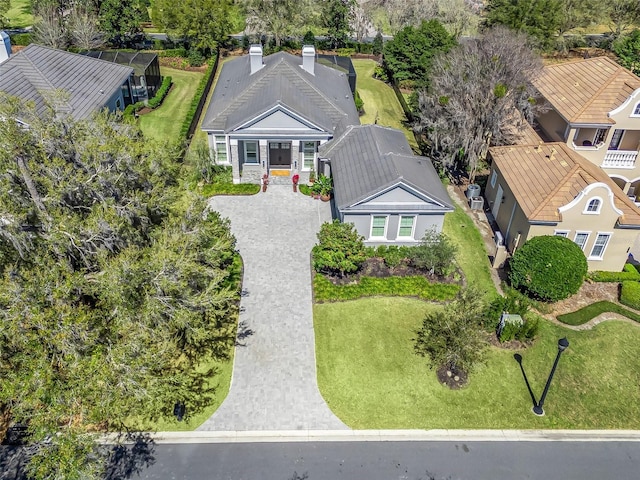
309, 58
255, 54
5, 47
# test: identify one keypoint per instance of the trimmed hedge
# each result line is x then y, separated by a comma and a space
420, 287
186, 125
548, 268
230, 189
21, 39
630, 294
160, 95
629, 272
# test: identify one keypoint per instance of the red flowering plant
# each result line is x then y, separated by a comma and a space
295, 179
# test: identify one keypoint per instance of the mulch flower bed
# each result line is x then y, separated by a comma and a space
454, 379
375, 267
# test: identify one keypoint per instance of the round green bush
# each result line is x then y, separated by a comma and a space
548, 268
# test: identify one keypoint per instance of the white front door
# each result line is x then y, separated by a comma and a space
496, 204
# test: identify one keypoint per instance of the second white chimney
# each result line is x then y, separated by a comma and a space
5, 47
309, 58
255, 54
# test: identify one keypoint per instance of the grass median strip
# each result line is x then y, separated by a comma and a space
582, 316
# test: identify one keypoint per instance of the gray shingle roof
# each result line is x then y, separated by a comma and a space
31, 72
323, 99
368, 159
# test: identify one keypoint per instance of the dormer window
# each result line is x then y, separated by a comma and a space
593, 207
636, 110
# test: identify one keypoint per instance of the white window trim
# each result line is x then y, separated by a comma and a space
315, 152
494, 178
221, 140
413, 226
244, 146
595, 135
586, 206
386, 226
633, 112
561, 233
604, 250
586, 240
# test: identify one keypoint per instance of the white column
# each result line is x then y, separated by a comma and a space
235, 160
295, 155
264, 155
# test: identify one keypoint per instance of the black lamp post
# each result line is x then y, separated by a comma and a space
563, 344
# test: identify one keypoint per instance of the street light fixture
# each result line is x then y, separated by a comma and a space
563, 344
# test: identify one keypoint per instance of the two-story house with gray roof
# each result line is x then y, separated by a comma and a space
87, 84
270, 114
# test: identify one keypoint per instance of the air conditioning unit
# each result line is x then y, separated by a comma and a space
498, 239
476, 203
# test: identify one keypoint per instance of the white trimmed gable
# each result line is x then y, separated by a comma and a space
399, 196
278, 120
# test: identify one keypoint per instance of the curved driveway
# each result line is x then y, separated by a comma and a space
274, 383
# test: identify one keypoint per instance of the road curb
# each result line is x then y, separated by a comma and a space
287, 436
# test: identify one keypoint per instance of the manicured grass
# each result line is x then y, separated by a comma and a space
371, 378
417, 286
229, 189
589, 312
472, 255
379, 100
19, 15
164, 123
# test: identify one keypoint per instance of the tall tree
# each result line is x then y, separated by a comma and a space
49, 28
111, 292
456, 15
121, 18
84, 29
337, 17
411, 52
480, 95
279, 18
623, 14
539, 18
204, 22
627, 48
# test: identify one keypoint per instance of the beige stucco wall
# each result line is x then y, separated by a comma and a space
516, 228
553, 125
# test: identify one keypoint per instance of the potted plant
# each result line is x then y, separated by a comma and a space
312, 177
265, 182
326, 187
295, 179
315, 190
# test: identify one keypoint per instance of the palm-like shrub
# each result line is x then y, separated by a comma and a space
548, 268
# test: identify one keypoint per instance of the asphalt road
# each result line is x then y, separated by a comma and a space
396, 460
367, 460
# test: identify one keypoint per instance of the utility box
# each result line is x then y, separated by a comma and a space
500, 257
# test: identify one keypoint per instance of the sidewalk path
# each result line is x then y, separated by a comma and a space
274, 384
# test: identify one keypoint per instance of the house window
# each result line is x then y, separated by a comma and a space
251, 152
581, 239
561, 233
494, 177
636, 110
593, 206
308, 155
405, 228
118, 104
221, 150
378, 226
599, 246
601, 134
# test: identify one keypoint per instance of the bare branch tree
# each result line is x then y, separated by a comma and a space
456, 15
481, 95
48, 28
84, 28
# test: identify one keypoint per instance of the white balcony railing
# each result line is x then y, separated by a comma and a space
620, 159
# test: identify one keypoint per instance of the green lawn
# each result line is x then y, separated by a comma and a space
19, 15
164, 123
379, 100
371, 379
589, 312
472, 254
